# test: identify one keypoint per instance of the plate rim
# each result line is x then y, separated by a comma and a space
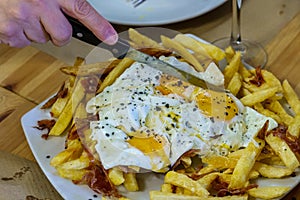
166, 21
50, 171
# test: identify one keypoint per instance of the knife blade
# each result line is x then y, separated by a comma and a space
122, 48
166, 68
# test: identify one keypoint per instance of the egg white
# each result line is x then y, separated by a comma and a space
132, 104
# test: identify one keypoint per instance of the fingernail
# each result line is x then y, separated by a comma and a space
111, 37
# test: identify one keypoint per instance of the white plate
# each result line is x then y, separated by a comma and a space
43, 150
153, 12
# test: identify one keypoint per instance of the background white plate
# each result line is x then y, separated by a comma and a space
153, 12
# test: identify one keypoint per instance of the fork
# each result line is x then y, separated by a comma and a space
136, 3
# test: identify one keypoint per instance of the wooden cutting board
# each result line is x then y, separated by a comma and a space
284, 53
29, 72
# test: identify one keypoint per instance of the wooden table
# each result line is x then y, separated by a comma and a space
29, 75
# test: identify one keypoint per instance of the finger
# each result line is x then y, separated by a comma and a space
87, 15
13, 35
19, 40
56, 25
35, 32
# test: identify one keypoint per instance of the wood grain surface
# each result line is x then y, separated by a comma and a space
284, 53
28, 76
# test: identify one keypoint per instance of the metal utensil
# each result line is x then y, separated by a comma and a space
122, 49
136, 3
166, 68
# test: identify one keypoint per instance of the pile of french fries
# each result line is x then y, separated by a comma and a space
216, 177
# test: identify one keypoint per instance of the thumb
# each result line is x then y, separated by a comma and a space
88, 16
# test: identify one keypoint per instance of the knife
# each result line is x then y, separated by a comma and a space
81, 32
122, 49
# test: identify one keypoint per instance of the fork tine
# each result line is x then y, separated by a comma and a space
136, 3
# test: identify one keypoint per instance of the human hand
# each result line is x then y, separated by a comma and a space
26, 21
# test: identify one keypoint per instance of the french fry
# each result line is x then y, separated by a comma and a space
166, 187
157, 195
268, 192
62, 100
232, 67
229, 53
115, 73
269, 81
294, 127
191, 44
130, 182
73, 151
184, 181
206, 181
291, 97
80, 163
186, 161
244, 165
253, 174
270, 171
66, 116
258, 96
91, 69
277, 108
198, 50
224, 177
259, 107
245, 73
237, 154
214, 52
116, 176
180, 50
220, 162
282, 149
142, 41
71, 174
235, 84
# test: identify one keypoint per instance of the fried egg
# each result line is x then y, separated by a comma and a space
147, 120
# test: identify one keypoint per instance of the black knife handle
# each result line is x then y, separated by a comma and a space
82, 33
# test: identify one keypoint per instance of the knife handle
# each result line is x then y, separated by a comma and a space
81, 32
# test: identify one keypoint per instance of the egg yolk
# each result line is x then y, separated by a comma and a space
146, 145
214, 104
153, 147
